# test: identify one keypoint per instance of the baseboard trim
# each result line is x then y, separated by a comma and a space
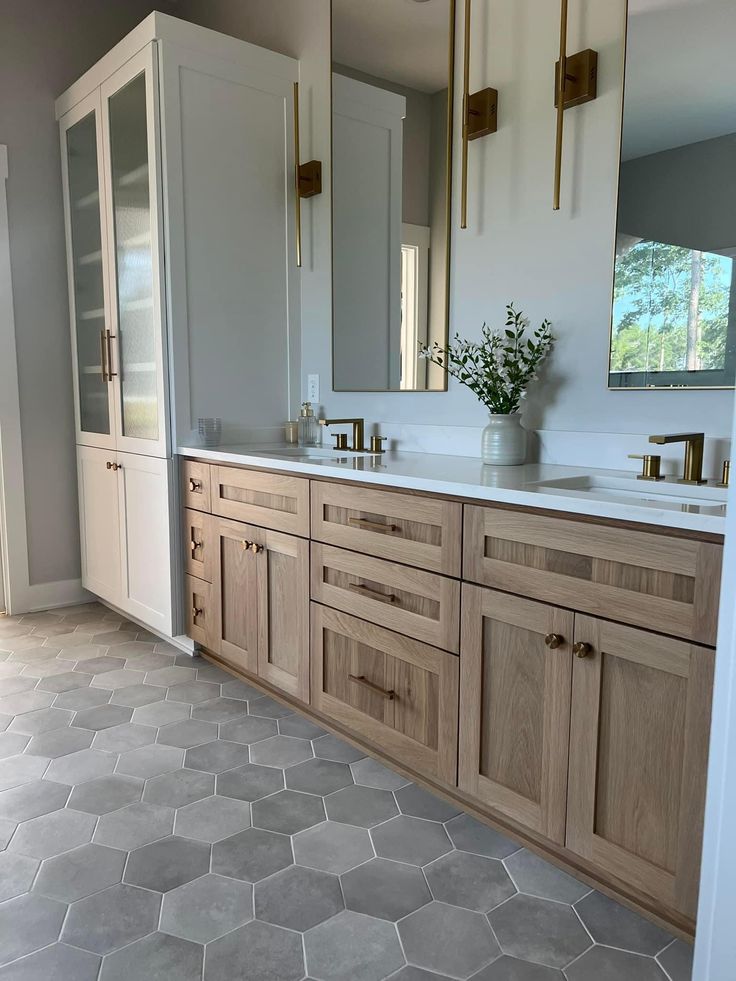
52, 595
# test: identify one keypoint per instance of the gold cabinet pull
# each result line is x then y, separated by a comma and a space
109, 339
358, 587
197, 611
480, 117
195, 485
195, 545
581, 649
103, 357
553, 641
359, 679
374, 526
114, 466
307, 178
253, 547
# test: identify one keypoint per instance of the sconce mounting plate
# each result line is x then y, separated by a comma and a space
582, 78
310, 178
482, 113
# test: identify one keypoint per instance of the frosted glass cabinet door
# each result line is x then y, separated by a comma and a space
81, 156
128, 100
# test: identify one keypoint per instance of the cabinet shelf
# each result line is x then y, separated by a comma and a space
90, 259
139, 175
87, 201
92, 314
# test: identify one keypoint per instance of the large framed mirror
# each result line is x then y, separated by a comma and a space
674, 295
392, 97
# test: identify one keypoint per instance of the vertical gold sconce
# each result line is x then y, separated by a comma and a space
576, 80
480, 117
307, 178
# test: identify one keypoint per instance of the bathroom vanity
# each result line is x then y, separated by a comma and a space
544, 657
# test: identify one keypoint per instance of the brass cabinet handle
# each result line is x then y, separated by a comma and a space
251, 546
553, 641
114, 466
103, 357
358, 587
374, 525
196, 612
581, 649
359, 679
194, 485
110, 373
195, 545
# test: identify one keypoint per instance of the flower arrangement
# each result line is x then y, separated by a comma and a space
499, 368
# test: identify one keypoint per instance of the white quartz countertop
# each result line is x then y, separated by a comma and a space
601, 493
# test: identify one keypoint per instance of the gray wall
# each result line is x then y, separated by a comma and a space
44, 46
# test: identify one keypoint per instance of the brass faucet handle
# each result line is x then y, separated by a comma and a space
341, 441
725, 474
377, 444
651, 466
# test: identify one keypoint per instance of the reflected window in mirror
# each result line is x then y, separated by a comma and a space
391, 120
674, 293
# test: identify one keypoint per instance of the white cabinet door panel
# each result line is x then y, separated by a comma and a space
98, 522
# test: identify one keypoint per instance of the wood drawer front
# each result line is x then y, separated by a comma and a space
195, 485
200, 612
666, 584
269, 500
639, 757
419, 531
410, 601
199, 545
354, 661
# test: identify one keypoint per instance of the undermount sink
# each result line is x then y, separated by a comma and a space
310, 453
665, 494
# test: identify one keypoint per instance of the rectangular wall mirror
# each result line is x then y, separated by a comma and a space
674, 294
392, 64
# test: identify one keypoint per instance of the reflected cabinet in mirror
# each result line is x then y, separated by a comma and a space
674, 294
391, 126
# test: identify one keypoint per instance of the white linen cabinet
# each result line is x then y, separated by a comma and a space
173, 231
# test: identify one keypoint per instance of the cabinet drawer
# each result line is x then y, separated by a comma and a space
199, 545
200, 612
666, 584
420, 531
413, 602
396, 692
195, 485
269, 500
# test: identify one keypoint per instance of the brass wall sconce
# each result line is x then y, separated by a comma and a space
307, 178
480, 117
576, 81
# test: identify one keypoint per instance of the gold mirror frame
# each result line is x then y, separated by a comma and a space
448, 210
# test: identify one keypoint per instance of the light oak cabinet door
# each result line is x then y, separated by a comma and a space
200, 613
638, 758
515, 671
396, 692
235, 590
199, 544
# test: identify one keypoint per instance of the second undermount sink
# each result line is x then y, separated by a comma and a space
667, 494
310, 453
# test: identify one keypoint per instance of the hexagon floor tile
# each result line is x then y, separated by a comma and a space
166, 820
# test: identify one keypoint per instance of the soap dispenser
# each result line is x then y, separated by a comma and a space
308, 426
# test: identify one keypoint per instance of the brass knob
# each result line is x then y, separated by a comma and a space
194, 485
245, 545
581, 649
108, 465
195, 545
117, 466
196, 612
255, 549
554, 641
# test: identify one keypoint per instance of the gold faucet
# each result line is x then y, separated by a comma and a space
694, 443
358, 431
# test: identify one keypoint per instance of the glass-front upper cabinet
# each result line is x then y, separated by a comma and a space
81, 159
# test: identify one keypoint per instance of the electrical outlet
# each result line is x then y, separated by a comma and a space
313, 389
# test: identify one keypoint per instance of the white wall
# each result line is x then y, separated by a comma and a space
44, 46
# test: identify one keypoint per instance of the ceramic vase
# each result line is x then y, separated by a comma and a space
503, 443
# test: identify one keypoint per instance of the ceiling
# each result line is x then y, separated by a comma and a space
403, 41
680, 74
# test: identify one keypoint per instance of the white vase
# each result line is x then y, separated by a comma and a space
503, 443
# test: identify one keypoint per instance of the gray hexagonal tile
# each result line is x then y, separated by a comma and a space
16, 875
249, 729
76, 768
101, 665
318, 776
677, 960
114, 638
135, 825
168, 863
135, 696
418, 802
106, 794
470, 835
148, 662
536, 877
87, 652
269, 708
332, 847
193, 692
612, 924
15, 684
161, 713
82, 699
507, 968
133, 649
217, 756
411, 840
102, 717
7, 828
444, 938
212, 819
252, 855
470, 881
53, 833
179, 788
44, 720
41, 921
298, 898
539, 930
256, 952
370, 773
122, 678
287, 812
283, 751
80, 872
607, 964
361, 806
386, 890
188, 733
33, 799
250, 782
112, 918
353, 946
170, 676
207, 908
60, 742
299, 726
55, 961
330, 747
66, 681
150, 761
219, 710
240, 689
123, 738
17, 770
